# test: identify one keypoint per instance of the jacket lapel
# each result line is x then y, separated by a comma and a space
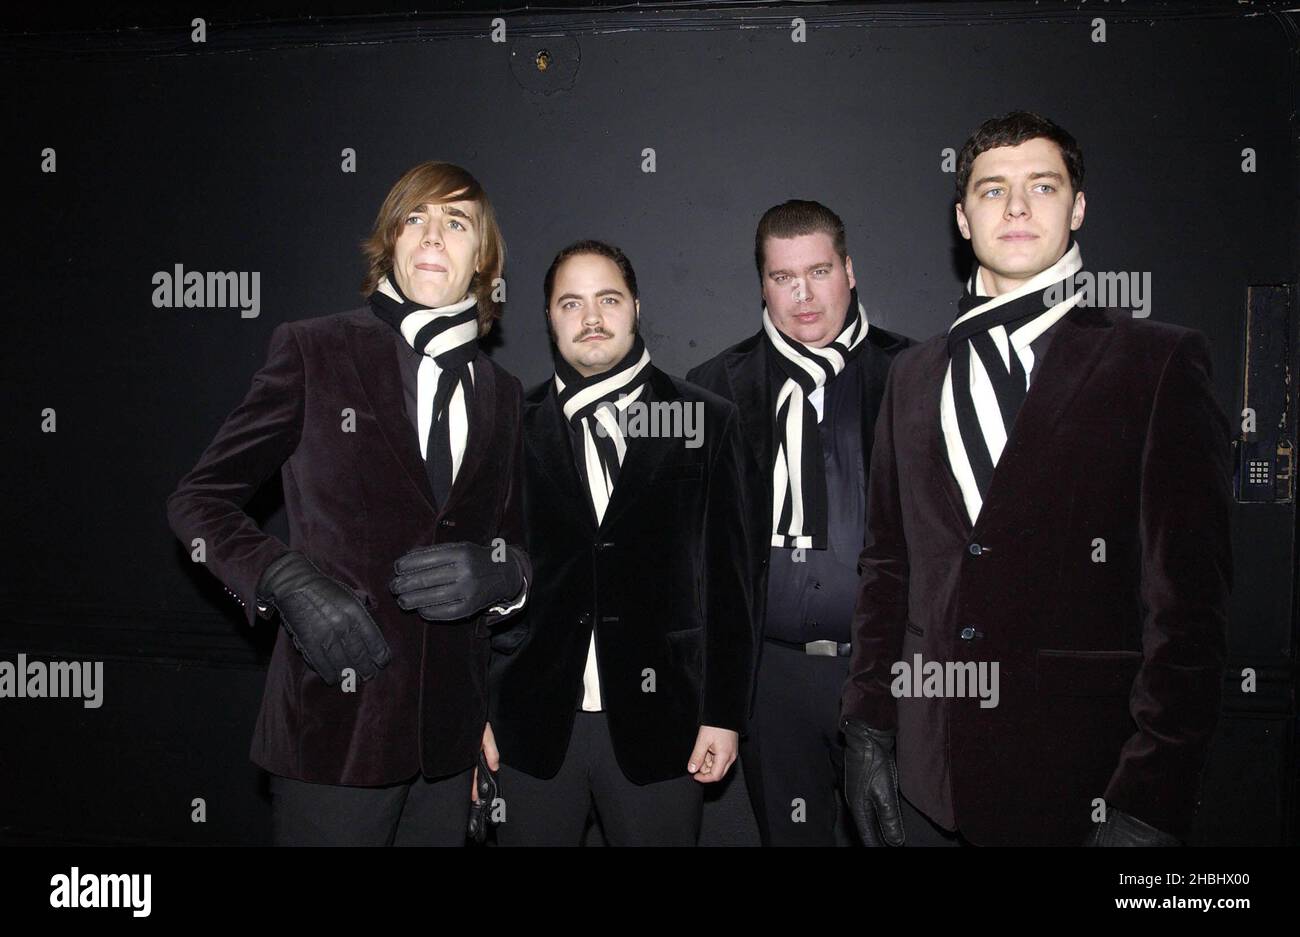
551, 451
378, 371
928, 402
747, 371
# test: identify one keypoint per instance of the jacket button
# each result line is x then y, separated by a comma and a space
976, 549
968, 633
584, 619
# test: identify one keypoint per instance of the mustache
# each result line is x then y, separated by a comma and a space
605, 333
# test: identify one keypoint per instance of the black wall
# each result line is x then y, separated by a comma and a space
226, 156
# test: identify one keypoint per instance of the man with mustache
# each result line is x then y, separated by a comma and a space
401, 459
808, 385
1049, 495
626, 682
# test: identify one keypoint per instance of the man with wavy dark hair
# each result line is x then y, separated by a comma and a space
400, 452
1049, 507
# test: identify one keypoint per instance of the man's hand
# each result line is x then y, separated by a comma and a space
871, 783
329, 625
1124, 829
451, 581
713, 755
490, 753
484, 790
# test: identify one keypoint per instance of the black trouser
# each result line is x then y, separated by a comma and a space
420, 812
553, 812
794, 753
794, 756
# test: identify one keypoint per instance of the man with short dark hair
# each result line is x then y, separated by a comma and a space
626, 683
808, 386
1049, 507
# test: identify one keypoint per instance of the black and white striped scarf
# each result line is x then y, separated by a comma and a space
588, 401
985, 385
447, 335
798, 473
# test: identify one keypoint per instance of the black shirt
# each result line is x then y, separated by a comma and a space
811, 593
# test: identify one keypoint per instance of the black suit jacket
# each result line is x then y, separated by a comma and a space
741, 374
1109, 672
663, 581
356, 502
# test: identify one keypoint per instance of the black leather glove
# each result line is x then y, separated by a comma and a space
329, 625
871, 783
480, 811
1124, 829
452, 581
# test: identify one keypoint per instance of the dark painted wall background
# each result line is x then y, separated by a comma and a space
226, 156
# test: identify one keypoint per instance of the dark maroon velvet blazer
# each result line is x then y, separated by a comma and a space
1109, 671
356, 502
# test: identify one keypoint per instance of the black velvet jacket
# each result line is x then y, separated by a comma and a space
663, 581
